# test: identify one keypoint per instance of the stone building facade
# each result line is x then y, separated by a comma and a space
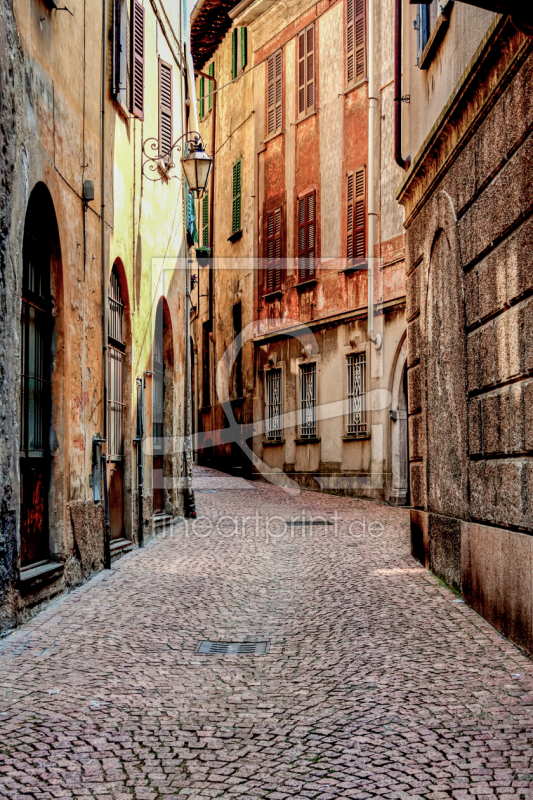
468, 204
81, 222
305, 142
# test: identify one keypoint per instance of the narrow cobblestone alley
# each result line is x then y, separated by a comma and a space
378, 682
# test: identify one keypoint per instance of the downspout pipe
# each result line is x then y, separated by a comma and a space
107, 527
371, 178
404, 164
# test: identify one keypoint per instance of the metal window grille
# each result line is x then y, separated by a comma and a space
357, 393
115, 361
308, 401
273, 430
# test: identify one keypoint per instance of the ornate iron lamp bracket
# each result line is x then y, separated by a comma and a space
161, 165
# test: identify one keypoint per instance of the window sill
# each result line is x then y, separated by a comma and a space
273, 136
354, 86
235, 237
272, 295
356, 437
361, 266
41, 572
437, 35
123, 109
309, 440
273, 442
205, 409
306, 284
307, 116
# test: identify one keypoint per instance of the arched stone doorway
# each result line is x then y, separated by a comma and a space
41, 275
117, 397
162, 408
399, 429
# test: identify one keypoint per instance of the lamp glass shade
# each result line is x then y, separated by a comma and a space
197, 167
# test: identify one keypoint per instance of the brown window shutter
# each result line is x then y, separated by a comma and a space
301, 74
165, 110
307, 237
271, 99
310, 70
273, 251
359, 215
349, 218
360, 39
137, 55
350, 42
279, 90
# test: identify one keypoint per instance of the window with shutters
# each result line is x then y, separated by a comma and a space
165, 111
273, 250
307, 237
356, 218
234, 53
237, 190
306, 71
355, 40
211, 85
275, 93
204, 221
308, 401
137, 60
273, 409
356, 394
202, 101
244, 47
431, 24
121, 47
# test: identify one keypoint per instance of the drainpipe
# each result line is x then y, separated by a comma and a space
372, 111
107, 527
404, 164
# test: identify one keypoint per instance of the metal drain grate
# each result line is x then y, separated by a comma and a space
233, 648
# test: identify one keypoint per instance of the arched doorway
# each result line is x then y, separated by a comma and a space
162, 405
116, 359
40, 250
399, 495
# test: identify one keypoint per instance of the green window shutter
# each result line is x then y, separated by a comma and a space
212, 73
236, 220
244, 47
205, 220
202, 92
234, 53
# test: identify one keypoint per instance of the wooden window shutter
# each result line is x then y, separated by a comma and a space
202, 101
275, 93
274, 250
310, 67
116, 47
234, 53
236, 219
137, 55
211, 84
356, 233
244, 47
205, 220
350, 42
165, 110
301, 74
359, 217
360, 39
307, 237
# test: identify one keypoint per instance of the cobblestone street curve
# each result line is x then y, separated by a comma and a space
378, 681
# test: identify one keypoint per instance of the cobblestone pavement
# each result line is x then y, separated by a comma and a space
378, 681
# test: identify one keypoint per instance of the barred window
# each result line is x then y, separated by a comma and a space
273, 421
357, 394
308, 401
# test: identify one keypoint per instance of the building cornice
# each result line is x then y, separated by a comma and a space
496, 61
